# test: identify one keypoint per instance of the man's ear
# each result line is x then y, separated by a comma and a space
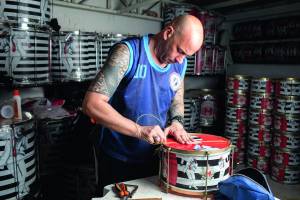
168, 33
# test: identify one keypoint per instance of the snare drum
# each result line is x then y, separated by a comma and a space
286, 140
204, 60
237, 98
262, 85
260, 134
260, 117
238, 82
258, 149
208, 108
288, 105
18, 163
288, 87
74, 56
286, 157
236, 113
25, 58
261, 101
286, 175
219, 60
260, 163
29, 12
287, 123
194, 169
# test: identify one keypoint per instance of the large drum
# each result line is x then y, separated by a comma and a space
29, 12
74, 56
106, 42
195, 169
18, 164
24, 55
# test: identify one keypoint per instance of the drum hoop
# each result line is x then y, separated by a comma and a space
179, 191
287, 115
281, 97
204, 153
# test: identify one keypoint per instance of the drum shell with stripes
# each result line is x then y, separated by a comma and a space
286, 175
204, 59
262, 85
190, 68
288, 87
286, 140
236, 113
25, 59
18, 174
29, 12
237, 98
235, 128
106, 41
238, 82
286, 123
191, 113
261, 101
74, 56
286, 157
208, 108
258, 149
260, 134
260, 163
288, 105
260, 117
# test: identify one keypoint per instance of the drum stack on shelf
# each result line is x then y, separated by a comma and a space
24, 42
74, 56
192, 111
18, 160
285, 166
260, 123
236, 114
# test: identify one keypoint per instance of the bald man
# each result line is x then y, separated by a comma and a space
141, 81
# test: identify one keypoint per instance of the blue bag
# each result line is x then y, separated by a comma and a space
246, 184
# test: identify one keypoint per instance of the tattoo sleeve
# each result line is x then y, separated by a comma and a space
112, 72
177, 106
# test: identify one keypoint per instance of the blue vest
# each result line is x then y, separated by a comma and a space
144, 96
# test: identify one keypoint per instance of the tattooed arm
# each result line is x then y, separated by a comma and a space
95, 103
177, 110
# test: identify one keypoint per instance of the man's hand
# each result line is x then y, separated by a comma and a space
177, 130
152, 134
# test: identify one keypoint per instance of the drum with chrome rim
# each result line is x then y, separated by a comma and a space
18, 160
195, 169
238, 82
288, 87
288, 105
25, 58
262, 85
286, 175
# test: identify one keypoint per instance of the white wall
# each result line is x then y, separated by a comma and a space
75, 19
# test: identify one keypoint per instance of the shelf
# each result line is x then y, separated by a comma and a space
265, 41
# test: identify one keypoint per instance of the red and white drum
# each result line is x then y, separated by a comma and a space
261, 101
286, 175
208, 19
260, 163
260, 117
208, 108
238, 141
204, 60
74, 56
236, 113
286, 140
286, 157
288, 87
236, 128
191, 113
190, 65
238, 82
237, 98
287, 123
194, 169
262, 85
288, 105
258, 149
260, 134
219, 61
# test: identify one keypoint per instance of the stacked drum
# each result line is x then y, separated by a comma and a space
260, 123
105, 43
18, 160
285, 166
74, 56
236, 114
208, 108
24, 42
192, 110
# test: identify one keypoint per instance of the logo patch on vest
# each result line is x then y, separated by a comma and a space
174, 81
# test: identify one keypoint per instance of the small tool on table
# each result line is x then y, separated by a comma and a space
123, 191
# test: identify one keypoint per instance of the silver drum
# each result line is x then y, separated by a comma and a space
260, 163
287, 123
286, 157
262, 85
25, 55
238, 82
237, 98
288, 87
260, 117
288, 105
18, 160
258, 149
261, 101
260, 134
286, 140
236, 113
286, 175
29, 12
74, 56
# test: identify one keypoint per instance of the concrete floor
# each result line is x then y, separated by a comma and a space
284, 191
